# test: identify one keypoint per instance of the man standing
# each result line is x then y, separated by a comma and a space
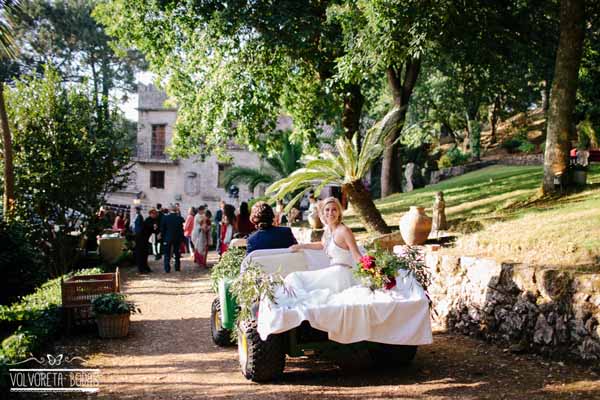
148, 228
157, 243
171, 229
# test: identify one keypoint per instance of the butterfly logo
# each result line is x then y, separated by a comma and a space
52, 360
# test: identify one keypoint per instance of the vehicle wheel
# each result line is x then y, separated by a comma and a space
260, 361
392, 355
220, 336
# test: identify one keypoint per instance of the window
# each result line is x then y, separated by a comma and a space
221, 176
157, 179
157, 149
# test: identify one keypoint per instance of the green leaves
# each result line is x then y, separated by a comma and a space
228, 266
251, 287
67, 157
350, 163
113, 303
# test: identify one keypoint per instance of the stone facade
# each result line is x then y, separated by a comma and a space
528, 308
189, 182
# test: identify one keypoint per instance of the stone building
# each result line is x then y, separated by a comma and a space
156, 178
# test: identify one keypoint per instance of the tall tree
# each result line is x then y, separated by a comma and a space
564, 89
10, 12
67, 159
65, 35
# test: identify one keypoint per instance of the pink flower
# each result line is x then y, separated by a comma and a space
390, 282
367, 262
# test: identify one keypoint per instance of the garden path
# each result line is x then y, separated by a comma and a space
169, 354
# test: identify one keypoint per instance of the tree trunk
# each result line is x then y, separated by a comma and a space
353, 103
494, 119
391, 177
9, 176
365, 208
564, 87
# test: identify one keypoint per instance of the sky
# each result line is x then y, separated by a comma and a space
129, 107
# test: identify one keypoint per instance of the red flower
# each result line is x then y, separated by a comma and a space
367, 262
390, 282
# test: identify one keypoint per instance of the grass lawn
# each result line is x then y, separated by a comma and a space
494, 214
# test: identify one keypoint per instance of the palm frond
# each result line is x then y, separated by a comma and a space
10, 11
250, 176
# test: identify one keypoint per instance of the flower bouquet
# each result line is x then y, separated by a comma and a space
378, 269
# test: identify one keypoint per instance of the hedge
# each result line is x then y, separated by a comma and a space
35, 320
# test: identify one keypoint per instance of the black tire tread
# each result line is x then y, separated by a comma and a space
265, 359
221, 337
392, 355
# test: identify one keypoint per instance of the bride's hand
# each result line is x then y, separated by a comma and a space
295, 248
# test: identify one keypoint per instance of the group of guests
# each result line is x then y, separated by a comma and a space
169, 233
174, 235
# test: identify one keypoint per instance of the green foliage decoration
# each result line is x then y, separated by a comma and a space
228, 266
113, 303
252, 286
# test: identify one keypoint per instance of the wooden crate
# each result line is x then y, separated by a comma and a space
79, 291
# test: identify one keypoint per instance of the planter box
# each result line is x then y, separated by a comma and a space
78, 292
113, 325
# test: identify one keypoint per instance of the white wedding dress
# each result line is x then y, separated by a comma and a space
334, 279
331, 300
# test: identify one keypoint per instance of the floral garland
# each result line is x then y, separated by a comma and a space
379, 268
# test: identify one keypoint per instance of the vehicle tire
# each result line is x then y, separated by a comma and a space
260, 361
220, 336
392, 355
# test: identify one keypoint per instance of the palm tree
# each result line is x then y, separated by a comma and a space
10, 10
282, 164
346, 169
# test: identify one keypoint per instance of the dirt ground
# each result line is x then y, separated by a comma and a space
169, 354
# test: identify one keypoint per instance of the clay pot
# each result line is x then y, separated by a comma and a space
415, 226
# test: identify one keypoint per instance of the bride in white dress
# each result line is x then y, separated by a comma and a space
340, 246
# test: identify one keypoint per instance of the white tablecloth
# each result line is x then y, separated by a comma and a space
398, 316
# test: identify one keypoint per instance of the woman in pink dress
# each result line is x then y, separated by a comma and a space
188, 227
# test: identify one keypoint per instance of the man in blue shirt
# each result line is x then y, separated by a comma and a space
267, 236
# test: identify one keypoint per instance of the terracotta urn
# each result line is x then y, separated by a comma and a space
415, 226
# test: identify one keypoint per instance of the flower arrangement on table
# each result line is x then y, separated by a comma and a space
378, 269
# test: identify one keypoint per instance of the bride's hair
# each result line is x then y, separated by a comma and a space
331, 200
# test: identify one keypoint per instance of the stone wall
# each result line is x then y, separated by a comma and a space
527, 308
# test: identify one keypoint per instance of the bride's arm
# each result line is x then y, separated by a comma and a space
350, 241
309, 246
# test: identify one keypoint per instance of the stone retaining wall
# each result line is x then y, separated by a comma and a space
530, 309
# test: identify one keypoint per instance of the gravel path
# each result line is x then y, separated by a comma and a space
169, 355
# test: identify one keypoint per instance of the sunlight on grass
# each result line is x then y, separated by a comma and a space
494, 201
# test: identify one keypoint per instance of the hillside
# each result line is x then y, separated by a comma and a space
490, 213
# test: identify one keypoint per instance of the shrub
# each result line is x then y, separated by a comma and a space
113, 303
512, 144
526, 147
21, 266
452, 158
228, 266
518, 143
36, 318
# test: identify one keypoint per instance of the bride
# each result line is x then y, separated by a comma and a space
340, 246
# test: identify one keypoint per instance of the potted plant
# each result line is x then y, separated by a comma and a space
112, 312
